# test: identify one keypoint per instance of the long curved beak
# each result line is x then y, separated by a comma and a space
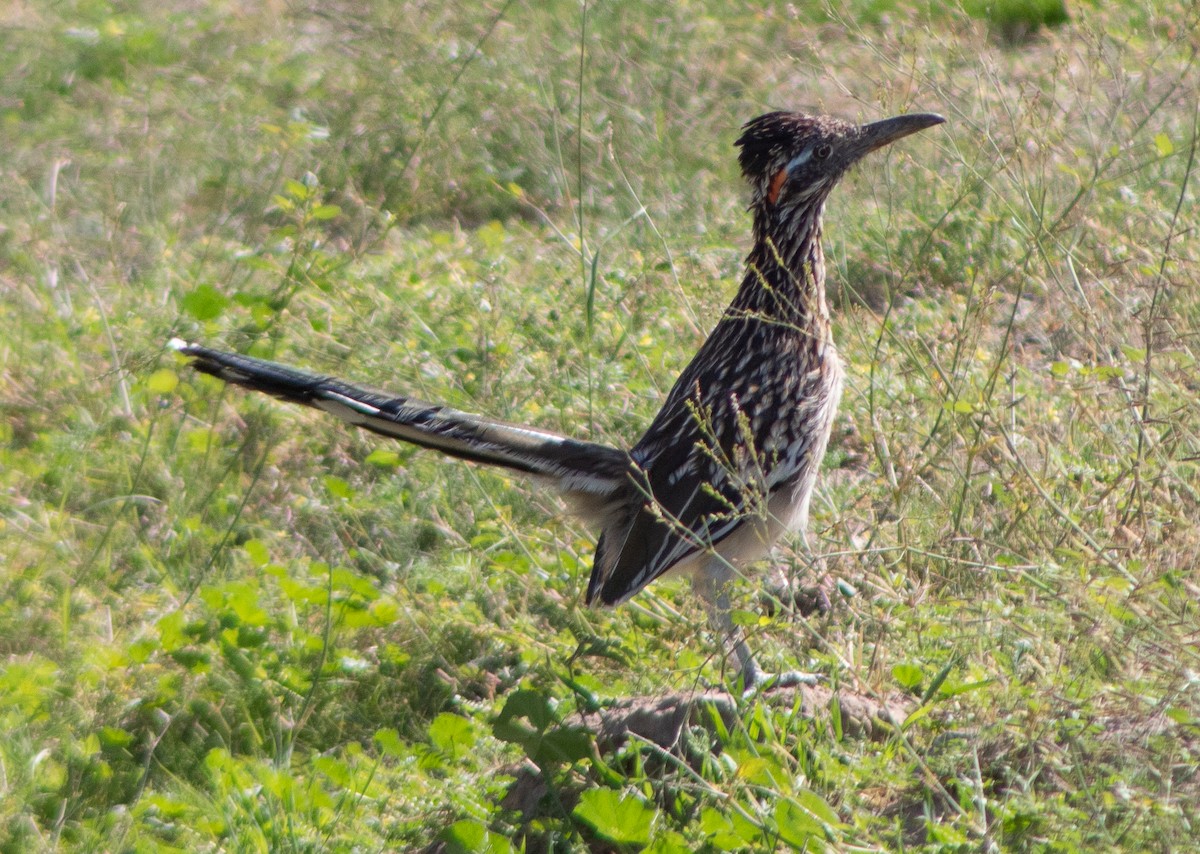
878, 134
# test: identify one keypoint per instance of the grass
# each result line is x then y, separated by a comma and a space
227, 624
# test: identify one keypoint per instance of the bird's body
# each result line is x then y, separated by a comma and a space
730, 461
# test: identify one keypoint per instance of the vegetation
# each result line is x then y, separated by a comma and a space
228, 624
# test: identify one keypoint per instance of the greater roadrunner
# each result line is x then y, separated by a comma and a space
730, 462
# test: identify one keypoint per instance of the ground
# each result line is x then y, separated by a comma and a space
229, 624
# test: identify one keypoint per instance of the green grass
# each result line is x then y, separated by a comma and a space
229, 624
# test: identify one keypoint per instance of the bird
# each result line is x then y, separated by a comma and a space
730, 462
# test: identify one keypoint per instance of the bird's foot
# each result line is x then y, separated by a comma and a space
805, 601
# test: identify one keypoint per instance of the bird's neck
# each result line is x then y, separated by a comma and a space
785, 273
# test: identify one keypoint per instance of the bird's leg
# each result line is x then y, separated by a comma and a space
782, 589
712, 585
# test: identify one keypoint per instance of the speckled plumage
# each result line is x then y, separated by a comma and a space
731, 459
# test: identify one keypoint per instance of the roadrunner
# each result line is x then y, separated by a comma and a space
730, 462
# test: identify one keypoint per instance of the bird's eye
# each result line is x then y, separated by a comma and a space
823, 151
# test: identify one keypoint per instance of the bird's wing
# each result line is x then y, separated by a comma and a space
677, 512
732, 434
699, 476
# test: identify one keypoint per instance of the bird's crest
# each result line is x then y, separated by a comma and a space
773, 139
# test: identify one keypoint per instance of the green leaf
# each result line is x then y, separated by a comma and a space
242, 598
325, 211
472, 837
543, 741
816, 805
523, 704
452, 734
953, 690
1106, 372
113, 738
335, 770
670, 842
797, 826
1180, 715
917, 714
1060, 369
937, 680
389, 742
761, 770
295, 189
205, 302
170, 631
565, 745
337, 487
257, 551
744, 619
383, 458
623, 820
1163, 143
162, 382
491, 235
907, 675
728, 832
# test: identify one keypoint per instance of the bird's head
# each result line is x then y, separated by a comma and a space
793, 160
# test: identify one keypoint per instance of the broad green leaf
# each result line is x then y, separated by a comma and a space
1180, 715
257, 551
205, 302
525, 704
112, 737
728, 832
383, 612
162, 382
1163, 143
761, 770
796, 825
670, 842
389, 742
623, 820
337, 487
246, 601
295, 189
336, 770
170, 631
343, 578
452, 734
492, 235
745, 619
907, 675
564, 745
383, 458
471, 837
816, 805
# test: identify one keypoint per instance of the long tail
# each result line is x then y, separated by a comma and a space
587, 471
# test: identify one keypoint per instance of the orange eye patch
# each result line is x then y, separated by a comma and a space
776, 185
